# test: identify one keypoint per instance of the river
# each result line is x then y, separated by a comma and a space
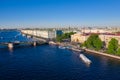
47, 62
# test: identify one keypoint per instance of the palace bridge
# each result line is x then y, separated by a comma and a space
10, 39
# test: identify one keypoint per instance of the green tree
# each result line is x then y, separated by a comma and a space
112, 46
93, 42
88, 43
118, 51
97, 43
59, 38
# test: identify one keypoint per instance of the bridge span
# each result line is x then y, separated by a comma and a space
16, 39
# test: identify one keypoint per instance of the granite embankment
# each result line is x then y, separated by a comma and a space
104, 54
75, 48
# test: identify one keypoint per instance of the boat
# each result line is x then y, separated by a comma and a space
74, 49
85, 59
16, 42
61, 47
52, 43
68, 47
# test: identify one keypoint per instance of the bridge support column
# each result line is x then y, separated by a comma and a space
23, 35
34, 43
28, 36
10, 45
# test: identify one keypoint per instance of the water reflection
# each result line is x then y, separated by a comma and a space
10, 51
86, 64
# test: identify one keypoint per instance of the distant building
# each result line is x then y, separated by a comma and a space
59, 32
49, 34
95, 31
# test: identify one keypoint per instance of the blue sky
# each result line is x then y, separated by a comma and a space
50, 13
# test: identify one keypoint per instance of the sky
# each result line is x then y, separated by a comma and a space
54, 13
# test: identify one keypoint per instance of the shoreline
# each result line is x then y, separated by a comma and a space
92, 51
103, 54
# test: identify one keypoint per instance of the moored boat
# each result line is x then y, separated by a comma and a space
85, 59
52, 43
61, 47
68, 47
74, 49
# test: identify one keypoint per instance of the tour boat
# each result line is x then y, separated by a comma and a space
85, 59
68, 47
52, 43
74, 49
61, 47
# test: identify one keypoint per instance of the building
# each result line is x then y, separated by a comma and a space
95, 31
106, 38
81, 38
48, 34
59, 32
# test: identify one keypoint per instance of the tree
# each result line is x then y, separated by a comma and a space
59, 38
93, 42
112, 46
118, 51
88, 43
97, 43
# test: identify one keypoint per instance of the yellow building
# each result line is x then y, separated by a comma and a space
81, 38
78, 37
107, 38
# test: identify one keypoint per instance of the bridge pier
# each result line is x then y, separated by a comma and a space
28, 36
23, 34
10, 45
34, 43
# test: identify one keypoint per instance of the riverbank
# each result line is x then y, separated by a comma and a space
67, 46
75, 48
104, 54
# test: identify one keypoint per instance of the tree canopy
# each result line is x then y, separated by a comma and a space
59, 38
118, 51
112, 46
93, 42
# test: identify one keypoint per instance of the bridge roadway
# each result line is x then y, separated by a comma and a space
32, 40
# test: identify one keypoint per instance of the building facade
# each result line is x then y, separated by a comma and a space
81, 38
95, 31
40, 33
107, 38
78, 37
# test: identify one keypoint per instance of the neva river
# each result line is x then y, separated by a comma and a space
47, 62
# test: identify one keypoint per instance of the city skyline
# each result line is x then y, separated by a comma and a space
53, 13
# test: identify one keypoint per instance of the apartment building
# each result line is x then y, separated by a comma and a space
81, 38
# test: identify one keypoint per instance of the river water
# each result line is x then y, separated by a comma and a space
47, 62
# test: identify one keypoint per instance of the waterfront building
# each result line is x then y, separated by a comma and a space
107, 37
59, 32
48, 34
81, 38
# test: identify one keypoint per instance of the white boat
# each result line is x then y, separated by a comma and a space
74, 49
62, 47
52, 43
68, 47
85, 59
16, 42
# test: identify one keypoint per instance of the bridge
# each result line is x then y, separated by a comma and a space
19, 38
